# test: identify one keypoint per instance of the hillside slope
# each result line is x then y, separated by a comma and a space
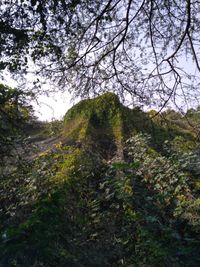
106, 123
115, 189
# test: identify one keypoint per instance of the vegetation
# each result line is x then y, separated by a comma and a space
117, 188
16, 114
108, 186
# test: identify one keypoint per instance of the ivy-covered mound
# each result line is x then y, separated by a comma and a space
118, 189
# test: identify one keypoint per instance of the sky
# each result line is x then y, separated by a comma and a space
49, 108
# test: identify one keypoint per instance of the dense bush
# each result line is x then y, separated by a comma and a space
75, 205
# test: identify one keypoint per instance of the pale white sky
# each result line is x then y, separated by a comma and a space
52, 107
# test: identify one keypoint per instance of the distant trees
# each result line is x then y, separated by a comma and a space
141, 48
15, 113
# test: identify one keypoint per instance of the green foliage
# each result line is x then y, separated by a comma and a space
105, 121
98, 120
81, 204
183, 125
15, 116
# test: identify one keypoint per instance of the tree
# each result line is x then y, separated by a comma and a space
15, 115
140, 48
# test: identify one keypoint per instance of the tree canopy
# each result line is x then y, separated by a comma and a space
148, 49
